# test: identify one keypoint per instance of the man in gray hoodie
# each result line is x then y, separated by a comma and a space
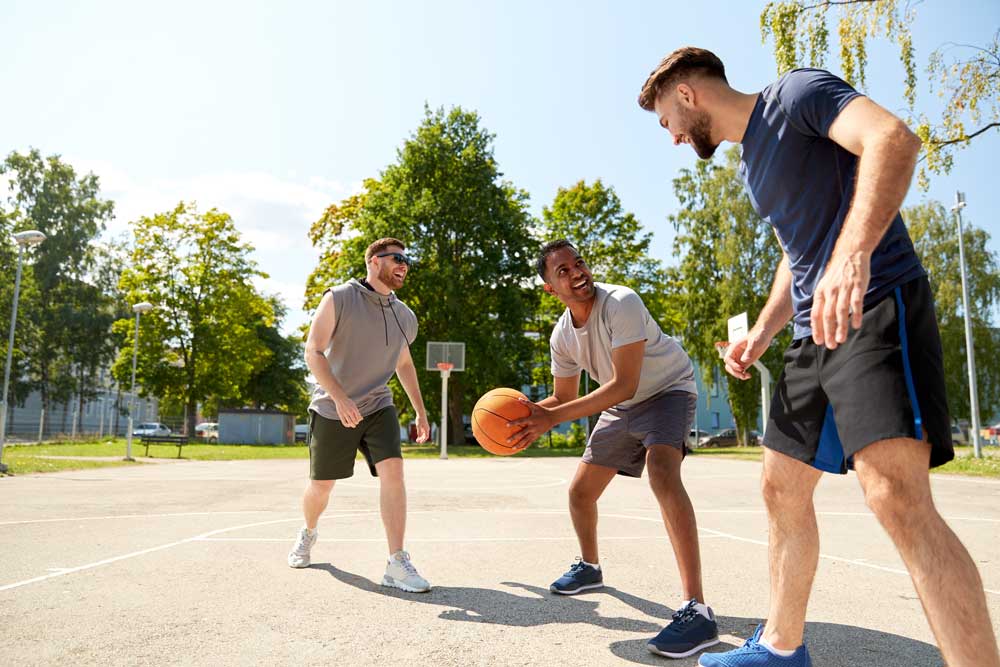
361, 335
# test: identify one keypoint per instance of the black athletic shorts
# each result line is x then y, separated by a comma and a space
333, 447
886, 381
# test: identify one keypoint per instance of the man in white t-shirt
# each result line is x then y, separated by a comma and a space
647, 399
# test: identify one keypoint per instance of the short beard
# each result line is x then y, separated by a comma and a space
389, 280
699, 133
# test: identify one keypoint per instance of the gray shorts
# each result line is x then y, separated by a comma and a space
622, 435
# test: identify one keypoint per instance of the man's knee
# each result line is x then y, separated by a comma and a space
390, 471
895, 482
663, 465
787, 484
320, 487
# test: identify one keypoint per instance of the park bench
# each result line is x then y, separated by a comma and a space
179, 440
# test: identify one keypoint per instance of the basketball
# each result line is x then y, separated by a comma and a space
490, 417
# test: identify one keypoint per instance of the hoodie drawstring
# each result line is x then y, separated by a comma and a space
385, 323
393, 310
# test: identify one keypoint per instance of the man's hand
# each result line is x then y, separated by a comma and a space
530, 428
348, 412
423, 428
839, 298
743, 353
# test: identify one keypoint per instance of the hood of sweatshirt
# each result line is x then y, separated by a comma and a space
383, 302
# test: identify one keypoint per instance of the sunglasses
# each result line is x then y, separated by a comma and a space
398, 256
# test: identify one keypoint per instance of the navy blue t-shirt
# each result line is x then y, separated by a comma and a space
802, 183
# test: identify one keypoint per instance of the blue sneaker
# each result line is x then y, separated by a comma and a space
689, 632
752, 654
579, 578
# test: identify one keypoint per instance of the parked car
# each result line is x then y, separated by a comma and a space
727, 438
207, 431
150, 429
301, 432
695, 436
959, 436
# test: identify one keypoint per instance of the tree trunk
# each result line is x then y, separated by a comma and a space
191, 416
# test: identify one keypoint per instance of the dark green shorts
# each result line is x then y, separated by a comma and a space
333, 447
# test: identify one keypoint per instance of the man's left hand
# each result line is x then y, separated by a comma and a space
530, 428
839, 298
423, 428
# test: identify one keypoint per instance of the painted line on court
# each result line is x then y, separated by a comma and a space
341, 540
763, 543
132, 516
107, 561
868, 515
448, 489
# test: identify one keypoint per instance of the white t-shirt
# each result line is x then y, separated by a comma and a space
619, 318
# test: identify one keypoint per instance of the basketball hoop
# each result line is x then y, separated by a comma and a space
445, 366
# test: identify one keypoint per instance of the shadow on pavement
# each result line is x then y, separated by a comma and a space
830, 644
486, 605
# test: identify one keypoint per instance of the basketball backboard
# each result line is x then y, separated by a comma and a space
445, 353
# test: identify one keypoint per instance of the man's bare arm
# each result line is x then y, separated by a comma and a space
773, 317
887, 152
407, 374
320, 333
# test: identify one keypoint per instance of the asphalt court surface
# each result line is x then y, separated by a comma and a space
184, 564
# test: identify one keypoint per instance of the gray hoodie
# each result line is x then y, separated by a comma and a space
369, 333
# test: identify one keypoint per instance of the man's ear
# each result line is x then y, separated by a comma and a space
548, 289
686, 94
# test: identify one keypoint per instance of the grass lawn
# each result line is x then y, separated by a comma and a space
24, 459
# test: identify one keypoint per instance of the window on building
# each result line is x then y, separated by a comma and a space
716, 420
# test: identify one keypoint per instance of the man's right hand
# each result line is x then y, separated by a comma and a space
348, 412
742, 353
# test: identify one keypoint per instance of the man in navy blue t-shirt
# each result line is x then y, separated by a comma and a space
863, 382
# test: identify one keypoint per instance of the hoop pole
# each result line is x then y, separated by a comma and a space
444, 413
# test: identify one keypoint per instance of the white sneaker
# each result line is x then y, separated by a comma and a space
299, 555
400, 573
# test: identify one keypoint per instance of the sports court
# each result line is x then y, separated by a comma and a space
184, 563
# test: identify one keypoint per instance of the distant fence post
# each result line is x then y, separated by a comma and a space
41, 424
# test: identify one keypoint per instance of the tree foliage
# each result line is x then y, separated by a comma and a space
469, 230
935, 237
967, 77
728, 257
63, 312
200, 341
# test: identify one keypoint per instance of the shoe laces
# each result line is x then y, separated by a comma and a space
685, 614
577, 565
404, 561
303, 544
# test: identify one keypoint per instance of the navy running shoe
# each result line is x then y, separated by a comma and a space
579, 578
752, 654
689, 631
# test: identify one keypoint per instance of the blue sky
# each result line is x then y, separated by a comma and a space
271, 111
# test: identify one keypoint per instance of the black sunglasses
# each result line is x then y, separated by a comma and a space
398, 256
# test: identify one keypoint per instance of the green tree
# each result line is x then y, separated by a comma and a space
280, 383
47, 195
935, 237
470, 232
200, 340
728, 257
967, 76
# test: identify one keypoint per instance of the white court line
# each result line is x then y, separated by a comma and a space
115, 559
568, 538
763, 543
131, 516
868, 515
449, 489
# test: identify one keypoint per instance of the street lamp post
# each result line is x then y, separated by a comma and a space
969, 348
139, 308
23, 240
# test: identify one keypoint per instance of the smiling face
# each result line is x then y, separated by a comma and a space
389, 272
676, 110
567, 276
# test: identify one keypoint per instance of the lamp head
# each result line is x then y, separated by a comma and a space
143, 307
29, 238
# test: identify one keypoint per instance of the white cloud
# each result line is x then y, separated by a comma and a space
272, 214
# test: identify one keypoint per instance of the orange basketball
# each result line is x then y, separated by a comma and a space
490, 417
